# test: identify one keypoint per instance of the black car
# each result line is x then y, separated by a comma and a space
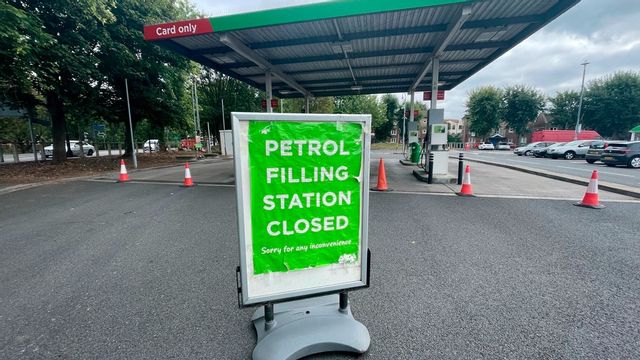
622, 153
595, 151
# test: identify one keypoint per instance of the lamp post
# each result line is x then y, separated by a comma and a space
584, 72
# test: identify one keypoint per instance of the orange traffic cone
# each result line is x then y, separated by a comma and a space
466, 189
188, 182
382, 178
124, 177
591, 198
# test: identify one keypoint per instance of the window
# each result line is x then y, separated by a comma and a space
394, 132
554, 128
511, 130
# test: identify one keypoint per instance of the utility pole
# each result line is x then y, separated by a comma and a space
133, 144
578, 126
224, 132
208, 138
404, 125
199, 128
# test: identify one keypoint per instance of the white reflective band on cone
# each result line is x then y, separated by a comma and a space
593, 186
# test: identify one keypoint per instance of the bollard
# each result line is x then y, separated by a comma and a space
109, 150
16, 157
460, 166
119, 149
430, 176
1, 154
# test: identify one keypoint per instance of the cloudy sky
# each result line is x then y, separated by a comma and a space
604, 32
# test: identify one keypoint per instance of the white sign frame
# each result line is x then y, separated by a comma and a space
273, 287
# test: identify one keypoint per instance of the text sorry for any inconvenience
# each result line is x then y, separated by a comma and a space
305, 194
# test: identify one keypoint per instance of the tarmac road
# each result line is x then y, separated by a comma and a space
578, 167
96, 270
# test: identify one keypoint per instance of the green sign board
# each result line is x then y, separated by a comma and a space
302, 198
305, 198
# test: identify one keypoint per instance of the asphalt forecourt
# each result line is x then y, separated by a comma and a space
487, 181
145, 271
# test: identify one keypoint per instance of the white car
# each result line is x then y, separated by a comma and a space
571, 150
504, 146
88, 149
152, 145
486, 146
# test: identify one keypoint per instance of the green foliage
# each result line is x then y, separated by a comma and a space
393, 113
483, 110
362, 104
457, 138
520, 107
73, 56
238, 96
320, 105
612, 104
22, 45
157, 77
564, 109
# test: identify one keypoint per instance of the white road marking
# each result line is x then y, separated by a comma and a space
159, 183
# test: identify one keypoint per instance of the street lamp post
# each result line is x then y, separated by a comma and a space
584, 72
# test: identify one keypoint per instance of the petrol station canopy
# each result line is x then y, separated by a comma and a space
348, 47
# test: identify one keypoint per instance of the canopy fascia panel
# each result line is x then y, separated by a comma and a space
347, 47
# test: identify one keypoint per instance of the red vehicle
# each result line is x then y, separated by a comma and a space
563, 135
188, 143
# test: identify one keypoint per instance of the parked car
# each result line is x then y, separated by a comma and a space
571, 150
595, 150
542, 152
622, 153
486, 146
504, 146
527, 150
87, 148
151, 145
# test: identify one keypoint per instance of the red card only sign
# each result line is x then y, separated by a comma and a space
177, 29
427, 95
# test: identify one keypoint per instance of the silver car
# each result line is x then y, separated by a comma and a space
75, 149
571, 150
527, 150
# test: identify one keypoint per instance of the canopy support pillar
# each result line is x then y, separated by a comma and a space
412, 106
435, 74
268, 89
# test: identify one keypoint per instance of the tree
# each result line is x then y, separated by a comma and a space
238, 96
520, 106
483, 110
158, 78
361, 104
61, 62
564, 109
392, 112
22, 46
612, 104
319, 105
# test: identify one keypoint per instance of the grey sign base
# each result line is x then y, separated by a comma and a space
307, 327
